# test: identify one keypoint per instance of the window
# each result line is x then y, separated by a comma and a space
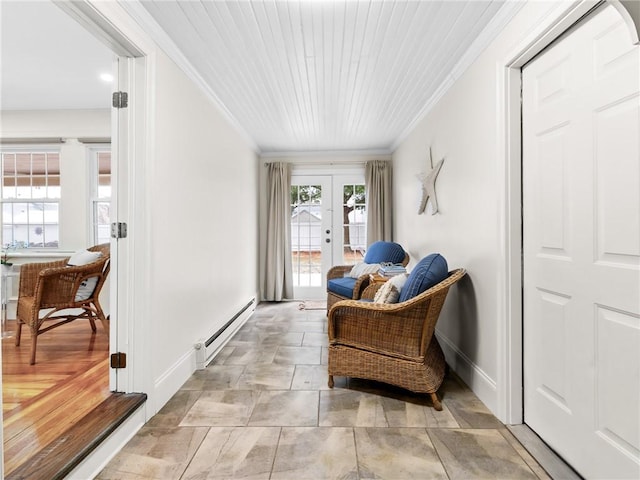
100, 194
30, 199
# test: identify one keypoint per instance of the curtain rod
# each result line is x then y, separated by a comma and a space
50, 140
31, 141
94, 140
323, 164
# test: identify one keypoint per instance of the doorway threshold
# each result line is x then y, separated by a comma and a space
57, 459
554, 465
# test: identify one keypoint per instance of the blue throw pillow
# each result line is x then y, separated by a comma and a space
382, 252
430, 271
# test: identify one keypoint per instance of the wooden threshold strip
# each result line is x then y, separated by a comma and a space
62, 455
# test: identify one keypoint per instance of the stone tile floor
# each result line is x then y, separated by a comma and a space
263, 410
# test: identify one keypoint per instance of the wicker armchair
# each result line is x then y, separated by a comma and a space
51, 287
347, 288
391, 343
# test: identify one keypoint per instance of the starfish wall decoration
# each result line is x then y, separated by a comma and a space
428, 181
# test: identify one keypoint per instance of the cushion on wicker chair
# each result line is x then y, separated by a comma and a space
379, 252
88, 285
342, 286
430, 271
83, 257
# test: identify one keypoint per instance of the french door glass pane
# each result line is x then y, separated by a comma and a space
306, 232
354, 223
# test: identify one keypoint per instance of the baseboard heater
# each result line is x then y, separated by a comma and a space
207, 349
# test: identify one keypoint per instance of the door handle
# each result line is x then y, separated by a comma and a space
328, 240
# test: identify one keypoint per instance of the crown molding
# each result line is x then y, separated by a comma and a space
508, 10
144, 19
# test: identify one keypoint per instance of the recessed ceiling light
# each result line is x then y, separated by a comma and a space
106, 77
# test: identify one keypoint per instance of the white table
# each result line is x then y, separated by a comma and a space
8, 274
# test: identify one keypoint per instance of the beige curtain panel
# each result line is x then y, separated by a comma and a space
279, 273
379, 200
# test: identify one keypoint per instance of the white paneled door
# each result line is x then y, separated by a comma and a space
581, 214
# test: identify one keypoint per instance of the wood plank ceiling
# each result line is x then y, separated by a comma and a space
323, 76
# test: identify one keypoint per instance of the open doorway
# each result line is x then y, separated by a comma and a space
56, 131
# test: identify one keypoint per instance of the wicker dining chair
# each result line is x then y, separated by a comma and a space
341, 287
391, 343
48, 290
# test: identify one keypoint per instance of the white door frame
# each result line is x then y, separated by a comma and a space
509, 168
131, 259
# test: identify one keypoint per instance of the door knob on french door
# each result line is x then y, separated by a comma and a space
328, 240
327, 232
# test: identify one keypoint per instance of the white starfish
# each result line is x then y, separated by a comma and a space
428, 181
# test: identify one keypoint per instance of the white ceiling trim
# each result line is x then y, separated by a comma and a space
168, 46
488, 34
326, 153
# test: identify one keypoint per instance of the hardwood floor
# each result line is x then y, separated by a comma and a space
43, 401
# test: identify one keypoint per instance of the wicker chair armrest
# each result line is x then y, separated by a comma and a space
369, 293
366, 310
400, 329
361, 283
30, 272
88, 270
338, 271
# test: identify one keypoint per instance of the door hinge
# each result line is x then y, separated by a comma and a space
120, 100
118, 360
118, 230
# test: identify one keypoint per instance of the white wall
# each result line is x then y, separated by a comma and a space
55, 123
464, 127
203, 196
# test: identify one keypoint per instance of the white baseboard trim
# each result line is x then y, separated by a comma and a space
476, 379
171, 380
174, 377
93, 464
207, 350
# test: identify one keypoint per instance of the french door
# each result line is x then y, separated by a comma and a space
328, 227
